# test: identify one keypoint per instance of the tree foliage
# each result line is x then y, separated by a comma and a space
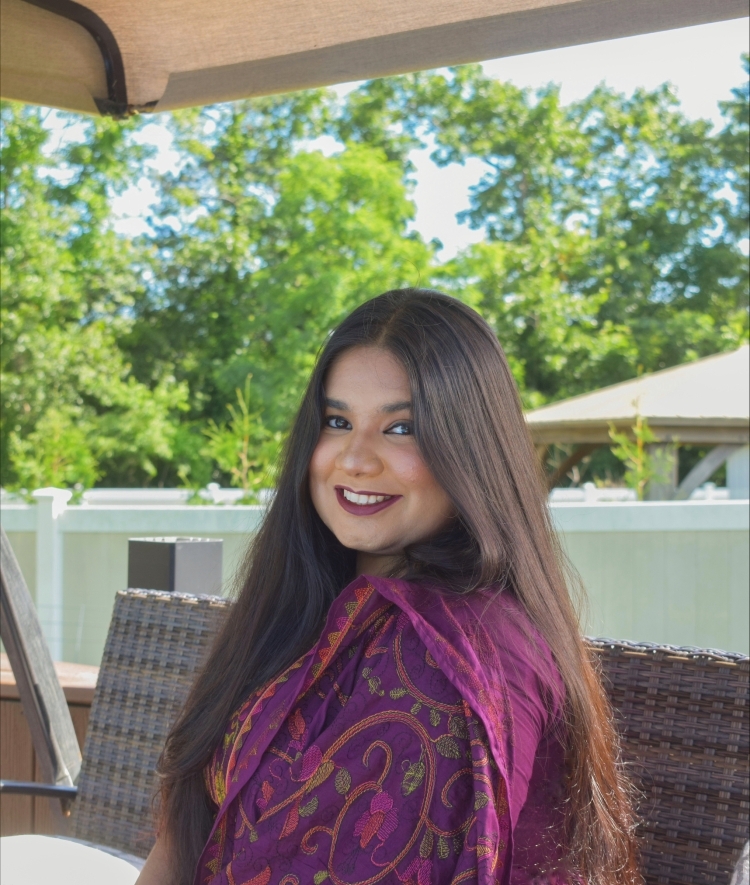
615, 242
613, 225
72, 409
243, 447
641, 467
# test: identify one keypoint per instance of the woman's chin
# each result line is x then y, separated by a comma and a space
369, 546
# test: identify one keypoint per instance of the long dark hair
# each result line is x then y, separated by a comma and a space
471, 432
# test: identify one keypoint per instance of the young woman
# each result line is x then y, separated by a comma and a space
401, 693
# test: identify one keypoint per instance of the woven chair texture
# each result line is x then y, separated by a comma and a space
156, 644
683, 718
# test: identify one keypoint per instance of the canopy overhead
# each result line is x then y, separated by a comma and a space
115, 57
700, 403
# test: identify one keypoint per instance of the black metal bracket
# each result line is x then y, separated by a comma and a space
116, 103
32, 788
66, 794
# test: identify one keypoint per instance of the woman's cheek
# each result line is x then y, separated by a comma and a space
322, 460
411, 470
319, 472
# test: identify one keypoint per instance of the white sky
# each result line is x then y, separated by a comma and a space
702, 63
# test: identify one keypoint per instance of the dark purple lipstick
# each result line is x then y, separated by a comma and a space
364, 509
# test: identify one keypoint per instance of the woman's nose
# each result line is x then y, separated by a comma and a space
358, 458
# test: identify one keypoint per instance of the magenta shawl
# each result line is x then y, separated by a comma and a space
417, 742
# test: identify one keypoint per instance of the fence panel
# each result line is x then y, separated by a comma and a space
670, 572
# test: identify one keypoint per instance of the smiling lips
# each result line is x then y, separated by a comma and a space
363, 503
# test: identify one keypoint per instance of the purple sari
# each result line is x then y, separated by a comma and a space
417, 742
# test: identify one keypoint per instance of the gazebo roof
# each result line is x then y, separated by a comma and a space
701, 403
116, 56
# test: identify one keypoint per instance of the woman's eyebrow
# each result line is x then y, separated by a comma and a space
396, 407
337, 404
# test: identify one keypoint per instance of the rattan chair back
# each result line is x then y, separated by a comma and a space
155, 646
684, 722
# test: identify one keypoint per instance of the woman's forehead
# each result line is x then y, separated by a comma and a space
365, 376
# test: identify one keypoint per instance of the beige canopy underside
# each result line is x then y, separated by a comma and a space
700, 403
178, 53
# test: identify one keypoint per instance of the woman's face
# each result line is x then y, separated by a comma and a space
368, 481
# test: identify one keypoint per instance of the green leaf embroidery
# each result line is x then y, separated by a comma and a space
434, 718
320, 775
443, 850
425, 849
447, 747
320, 876
480, 800
413, 778
397, 693
457, 727
343, 781
309, 808
416, 708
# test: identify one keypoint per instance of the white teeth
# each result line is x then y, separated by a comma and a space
364, 499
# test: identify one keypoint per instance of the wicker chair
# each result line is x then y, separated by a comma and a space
155, 646
684, 722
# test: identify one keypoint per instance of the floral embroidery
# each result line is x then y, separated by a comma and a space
380, 820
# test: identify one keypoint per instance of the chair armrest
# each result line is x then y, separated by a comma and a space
31, 788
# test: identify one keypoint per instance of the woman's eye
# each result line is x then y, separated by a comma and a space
337, 422
401, 428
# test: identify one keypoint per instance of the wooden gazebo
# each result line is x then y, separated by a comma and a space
704, 403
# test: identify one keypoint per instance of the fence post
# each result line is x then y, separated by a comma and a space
51, 503
738, 473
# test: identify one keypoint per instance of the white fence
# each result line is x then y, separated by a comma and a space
673, 572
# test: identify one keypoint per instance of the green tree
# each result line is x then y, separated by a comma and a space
632, 449
72, 410
242, 447
733, 143
607, 224
614, 226
270, 242
614, 235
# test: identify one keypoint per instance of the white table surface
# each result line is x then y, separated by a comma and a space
42, 860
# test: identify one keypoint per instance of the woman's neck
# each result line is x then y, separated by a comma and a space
378, 565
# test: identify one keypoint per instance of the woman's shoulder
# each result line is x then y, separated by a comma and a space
489, 629
492, 613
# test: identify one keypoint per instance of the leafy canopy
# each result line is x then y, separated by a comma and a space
615, 242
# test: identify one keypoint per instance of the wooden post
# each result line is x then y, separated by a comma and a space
42, 698
664, 485
704, 469
569, 463
181, 565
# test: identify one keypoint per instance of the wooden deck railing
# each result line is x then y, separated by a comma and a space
23, 814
